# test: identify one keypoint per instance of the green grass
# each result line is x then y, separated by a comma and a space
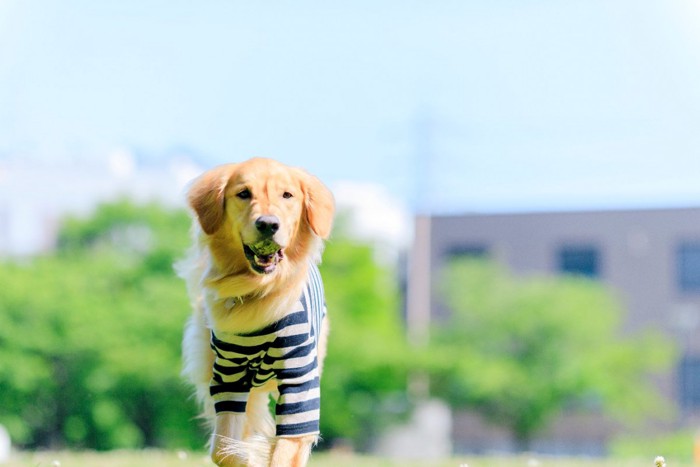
154, 458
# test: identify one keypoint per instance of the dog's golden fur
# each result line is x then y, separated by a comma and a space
224, 267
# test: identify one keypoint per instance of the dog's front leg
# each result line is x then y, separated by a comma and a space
225, 443
293, 452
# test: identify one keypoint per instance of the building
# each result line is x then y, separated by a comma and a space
651, 258
36, 194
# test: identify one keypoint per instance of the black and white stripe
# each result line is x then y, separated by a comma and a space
285, 350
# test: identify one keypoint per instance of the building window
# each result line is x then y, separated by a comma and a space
467, 251
688, 261
689, 382
579, 260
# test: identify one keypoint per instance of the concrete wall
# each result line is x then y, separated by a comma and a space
638, 256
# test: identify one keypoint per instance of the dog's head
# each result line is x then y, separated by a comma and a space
263, 208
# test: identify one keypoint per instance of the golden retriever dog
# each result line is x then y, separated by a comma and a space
258, 330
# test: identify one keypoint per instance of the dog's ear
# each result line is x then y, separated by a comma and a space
318, 204
206, 197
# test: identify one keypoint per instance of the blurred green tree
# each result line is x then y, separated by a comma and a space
519, 350
90, 336
365, 373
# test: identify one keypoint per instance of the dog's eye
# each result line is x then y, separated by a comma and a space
287, 195
244, 194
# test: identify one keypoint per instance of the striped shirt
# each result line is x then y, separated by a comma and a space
285, 350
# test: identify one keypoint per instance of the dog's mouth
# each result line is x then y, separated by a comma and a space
263, 258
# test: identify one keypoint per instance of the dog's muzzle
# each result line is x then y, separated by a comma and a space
264, 254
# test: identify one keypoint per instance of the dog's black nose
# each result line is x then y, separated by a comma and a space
267, 225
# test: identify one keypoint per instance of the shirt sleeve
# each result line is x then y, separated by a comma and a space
230, 384
299, 403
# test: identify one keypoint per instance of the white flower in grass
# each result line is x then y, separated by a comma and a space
660, 462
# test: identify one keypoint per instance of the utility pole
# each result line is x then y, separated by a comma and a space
419, 266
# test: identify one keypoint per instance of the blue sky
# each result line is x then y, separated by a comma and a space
515, 105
